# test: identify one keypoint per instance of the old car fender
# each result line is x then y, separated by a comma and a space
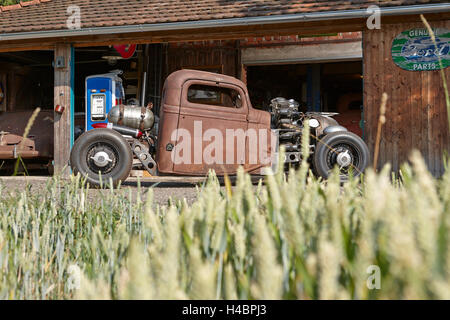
332, 129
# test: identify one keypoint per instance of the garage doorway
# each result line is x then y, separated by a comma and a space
141, 76
325, 87
26, 83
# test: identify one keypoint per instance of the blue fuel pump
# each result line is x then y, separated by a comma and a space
103, 92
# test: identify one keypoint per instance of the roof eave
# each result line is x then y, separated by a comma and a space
234, 22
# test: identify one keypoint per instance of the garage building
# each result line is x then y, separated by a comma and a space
321, 53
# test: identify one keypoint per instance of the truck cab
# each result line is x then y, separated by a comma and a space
202, 106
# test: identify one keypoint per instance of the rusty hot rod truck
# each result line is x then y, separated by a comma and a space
206, 121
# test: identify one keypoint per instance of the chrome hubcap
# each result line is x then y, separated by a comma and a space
344, 159
101, 159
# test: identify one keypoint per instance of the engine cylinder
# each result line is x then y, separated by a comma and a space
131, 116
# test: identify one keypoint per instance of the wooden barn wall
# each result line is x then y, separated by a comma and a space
416, 111
196, 55
25, 88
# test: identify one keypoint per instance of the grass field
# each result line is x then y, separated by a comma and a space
290, 238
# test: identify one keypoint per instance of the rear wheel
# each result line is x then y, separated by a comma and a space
101, 155
345, 150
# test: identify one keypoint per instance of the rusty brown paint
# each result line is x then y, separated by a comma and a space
178, 113
40, 137
12, 146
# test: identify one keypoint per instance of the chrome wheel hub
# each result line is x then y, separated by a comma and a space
344, 159
101, 159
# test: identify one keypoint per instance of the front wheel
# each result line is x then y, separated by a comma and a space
100, 155
344, 150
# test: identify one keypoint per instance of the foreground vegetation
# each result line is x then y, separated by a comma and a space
294, 238
9, 2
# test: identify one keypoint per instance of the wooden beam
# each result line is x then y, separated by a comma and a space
243, 76
4, 104
241, 32
17, 46
218, 33
215, 34
62, 97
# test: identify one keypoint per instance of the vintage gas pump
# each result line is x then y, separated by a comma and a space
103, 92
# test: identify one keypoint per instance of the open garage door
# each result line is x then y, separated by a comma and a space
26, 83
323, 73
324, 87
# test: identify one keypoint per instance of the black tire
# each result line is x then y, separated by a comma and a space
328, 149
106, 140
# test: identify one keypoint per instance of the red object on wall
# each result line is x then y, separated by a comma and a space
126, 50
59, 109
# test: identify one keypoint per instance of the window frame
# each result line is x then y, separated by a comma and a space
185, 99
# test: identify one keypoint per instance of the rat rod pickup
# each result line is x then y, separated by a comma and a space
206, 121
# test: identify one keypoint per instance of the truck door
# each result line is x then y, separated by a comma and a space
213, 116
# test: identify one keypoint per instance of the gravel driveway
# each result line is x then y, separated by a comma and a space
162, 191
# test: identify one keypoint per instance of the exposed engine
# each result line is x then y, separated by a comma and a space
288, 119
284, 112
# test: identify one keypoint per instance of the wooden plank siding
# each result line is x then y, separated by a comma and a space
222, 58
26, 87
62, 122
416, 110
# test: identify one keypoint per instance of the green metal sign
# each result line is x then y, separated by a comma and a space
414, 50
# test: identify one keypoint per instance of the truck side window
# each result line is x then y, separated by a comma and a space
214, 96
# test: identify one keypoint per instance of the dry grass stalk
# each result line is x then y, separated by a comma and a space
381, 122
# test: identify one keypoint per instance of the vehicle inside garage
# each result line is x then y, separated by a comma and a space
26, 83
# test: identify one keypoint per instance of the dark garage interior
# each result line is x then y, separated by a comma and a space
339, 88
